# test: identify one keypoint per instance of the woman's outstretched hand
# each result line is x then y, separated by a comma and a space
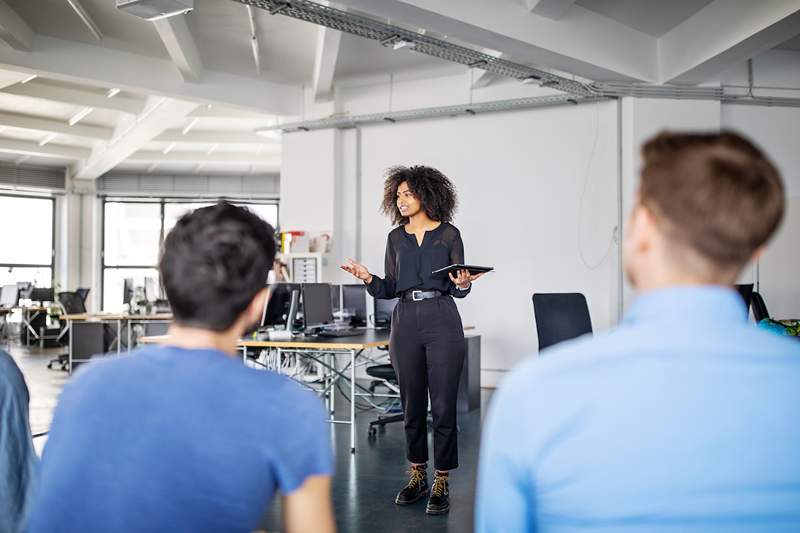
358, 270
464, 279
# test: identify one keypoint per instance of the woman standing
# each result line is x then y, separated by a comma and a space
427, 337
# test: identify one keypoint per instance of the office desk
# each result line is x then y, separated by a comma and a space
122, 321
29, 314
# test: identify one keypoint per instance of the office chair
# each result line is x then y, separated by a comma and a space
560, 317
83, 293
759, 307
746, 292
73, 305
384, 374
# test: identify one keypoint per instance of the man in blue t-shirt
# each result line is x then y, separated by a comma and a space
683, 419
183, 437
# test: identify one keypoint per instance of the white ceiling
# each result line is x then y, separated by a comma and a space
203, 69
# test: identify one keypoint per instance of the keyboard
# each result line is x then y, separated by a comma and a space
336, 333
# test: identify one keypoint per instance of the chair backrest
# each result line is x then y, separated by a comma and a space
72, 302
759, 307
560, 317
83, 293
746, 292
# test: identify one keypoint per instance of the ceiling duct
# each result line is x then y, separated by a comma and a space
155, 9
433, 112
388, 34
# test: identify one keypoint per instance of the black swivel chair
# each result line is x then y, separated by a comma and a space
383, 373
759, 307
560, 317
73, 305
746, 292
83, 293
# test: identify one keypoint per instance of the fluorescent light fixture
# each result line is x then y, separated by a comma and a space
30, 78
400, 43
113, 92
152, 167
189, 126
212, 149
198, 168
270, 133
22, 160
48, 139
80, 115
168, 149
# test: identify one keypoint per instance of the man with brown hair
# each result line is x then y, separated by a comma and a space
684, 418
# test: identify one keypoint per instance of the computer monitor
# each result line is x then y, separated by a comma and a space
150, 291
276, 311
42, 294
127, 291
336, 300
317, 306
9, 296
354, 300
383, 312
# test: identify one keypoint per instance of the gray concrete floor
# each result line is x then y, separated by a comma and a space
364, 484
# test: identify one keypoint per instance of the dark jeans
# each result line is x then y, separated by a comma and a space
427, 351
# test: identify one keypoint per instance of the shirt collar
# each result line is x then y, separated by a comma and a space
696, 303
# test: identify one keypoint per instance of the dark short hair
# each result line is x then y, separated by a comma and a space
214, 262
717, 193
435, 191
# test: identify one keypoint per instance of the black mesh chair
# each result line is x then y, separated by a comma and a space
73, 305
746, 292
759, 307
384, 374
560, 317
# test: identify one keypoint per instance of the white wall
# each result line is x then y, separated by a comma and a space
537, 194
777, 130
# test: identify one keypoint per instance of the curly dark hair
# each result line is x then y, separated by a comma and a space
435, 191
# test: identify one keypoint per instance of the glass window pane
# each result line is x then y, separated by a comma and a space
268, 212
27, 236
174, 211
132, 233
114, 284
39, 276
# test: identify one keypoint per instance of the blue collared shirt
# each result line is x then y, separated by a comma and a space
685, 418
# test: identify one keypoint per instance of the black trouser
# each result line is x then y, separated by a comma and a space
427, 351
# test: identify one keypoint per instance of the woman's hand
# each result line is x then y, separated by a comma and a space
464, 279
358, 270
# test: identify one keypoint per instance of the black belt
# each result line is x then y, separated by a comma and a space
418, 296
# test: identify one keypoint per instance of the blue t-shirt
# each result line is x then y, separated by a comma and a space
170, 439
684, 419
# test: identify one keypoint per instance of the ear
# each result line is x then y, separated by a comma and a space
255, 310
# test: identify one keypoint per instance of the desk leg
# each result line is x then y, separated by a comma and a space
352, 401
130, 337
69, 349
119, 337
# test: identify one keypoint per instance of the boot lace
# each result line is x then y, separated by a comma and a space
439, 486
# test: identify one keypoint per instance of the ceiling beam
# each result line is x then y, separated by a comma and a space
212, 137
14, 31
132, 134
227, 113
180, 45
327, 54
13, 146
552, 9
80, 97
607, 50
690, 53
88, 63
201, 157
85, 18
32, 123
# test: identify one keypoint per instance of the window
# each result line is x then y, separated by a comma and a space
26, 242
133, 233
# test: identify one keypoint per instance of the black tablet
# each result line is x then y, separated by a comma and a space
454, 268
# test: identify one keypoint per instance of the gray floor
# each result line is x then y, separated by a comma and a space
365, 483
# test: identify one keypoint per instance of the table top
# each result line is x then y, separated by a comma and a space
102, 316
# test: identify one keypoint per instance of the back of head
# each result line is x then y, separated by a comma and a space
214, 262
716, 197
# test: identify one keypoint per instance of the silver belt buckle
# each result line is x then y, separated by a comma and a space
414, 296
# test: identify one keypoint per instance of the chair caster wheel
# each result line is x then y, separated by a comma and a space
372, 432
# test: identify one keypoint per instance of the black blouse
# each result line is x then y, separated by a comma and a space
409, 265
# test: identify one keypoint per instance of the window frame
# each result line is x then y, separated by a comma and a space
52, 264
163, 201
